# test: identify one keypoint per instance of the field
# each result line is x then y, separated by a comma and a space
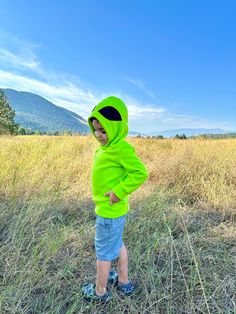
180, 232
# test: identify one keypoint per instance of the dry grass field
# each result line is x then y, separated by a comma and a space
180, 232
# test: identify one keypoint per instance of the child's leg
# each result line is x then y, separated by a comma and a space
122, 265
103, 269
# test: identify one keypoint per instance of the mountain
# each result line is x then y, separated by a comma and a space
132, 133
189, 132
37, 113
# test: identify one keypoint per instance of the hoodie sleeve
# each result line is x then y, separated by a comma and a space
136, 172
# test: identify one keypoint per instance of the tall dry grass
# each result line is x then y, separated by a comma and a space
180, 231
203, 170
198, 170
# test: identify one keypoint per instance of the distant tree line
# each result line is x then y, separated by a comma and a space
27, 131
201, 136
159, 137
216, 136
156, 137
180, 136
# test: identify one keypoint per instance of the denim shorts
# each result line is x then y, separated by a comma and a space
108, 239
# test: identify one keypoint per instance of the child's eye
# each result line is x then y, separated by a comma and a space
103, 132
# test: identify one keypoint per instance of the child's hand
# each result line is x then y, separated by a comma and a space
113, 197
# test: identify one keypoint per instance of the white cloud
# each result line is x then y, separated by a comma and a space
18, 61
143, 117
21, 69
139, 109
66, 95
17, 53
140, 85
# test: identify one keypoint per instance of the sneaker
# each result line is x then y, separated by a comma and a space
89, 293
127, 289
113, 278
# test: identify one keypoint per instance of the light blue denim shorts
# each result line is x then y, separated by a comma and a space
108, 238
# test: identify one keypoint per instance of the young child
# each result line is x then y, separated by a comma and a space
116, 172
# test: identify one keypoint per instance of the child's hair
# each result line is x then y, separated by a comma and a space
92, 119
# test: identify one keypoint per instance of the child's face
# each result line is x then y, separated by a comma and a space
100, 133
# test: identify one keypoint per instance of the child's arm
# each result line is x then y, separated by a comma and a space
136, 172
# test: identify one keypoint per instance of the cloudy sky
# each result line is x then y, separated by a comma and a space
172, 62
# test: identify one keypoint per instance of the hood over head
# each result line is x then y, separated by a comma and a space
112, 114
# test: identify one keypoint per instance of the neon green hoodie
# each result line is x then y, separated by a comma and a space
115, 167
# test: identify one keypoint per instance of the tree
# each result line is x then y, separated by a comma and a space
7, 114
181, 137
22, 131
67, 132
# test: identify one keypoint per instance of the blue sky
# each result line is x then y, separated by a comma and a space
172, 62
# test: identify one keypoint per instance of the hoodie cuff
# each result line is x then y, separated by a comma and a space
119, 191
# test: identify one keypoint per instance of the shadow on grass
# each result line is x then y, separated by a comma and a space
182, 258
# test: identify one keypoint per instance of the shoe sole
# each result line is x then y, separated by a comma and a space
90, 300
129, 293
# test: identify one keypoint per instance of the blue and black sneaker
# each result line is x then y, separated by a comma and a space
127, 289
89, 294
113, 278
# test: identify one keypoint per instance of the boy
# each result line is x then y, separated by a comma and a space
116, 172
